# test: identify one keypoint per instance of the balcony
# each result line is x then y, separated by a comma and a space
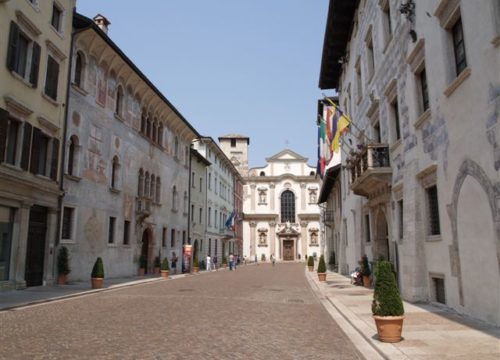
370, 169
143, 206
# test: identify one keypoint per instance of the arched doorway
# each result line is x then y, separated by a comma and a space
145, 249
382, 238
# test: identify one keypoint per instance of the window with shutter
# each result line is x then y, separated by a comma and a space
25, 157
4, 118
12, 134
52, 78
55, 159
35, 150
35, 64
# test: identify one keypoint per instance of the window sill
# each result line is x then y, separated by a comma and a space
72, 177
433, 238
426, 115
58, 33
43, 177
118, 117
112, 245
79, 89
50, 100
395, 146
67, 241
13, 167
114, 190
21, 79
34, 6
457, 82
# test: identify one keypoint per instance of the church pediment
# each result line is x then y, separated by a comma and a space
286, 155
288, 229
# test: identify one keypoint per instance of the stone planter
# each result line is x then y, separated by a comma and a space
157, 270
164, 274
97, 283
196, 269
389, 328
322, 276
311, 267
61, 279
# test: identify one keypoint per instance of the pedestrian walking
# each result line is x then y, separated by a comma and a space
209, 263
256, 259
174, 262
231, 262
273, 259
215, 262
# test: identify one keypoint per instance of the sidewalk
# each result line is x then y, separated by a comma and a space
429, 331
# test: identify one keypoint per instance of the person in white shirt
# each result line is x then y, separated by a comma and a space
209, 263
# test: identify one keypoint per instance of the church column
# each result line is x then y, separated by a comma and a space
253, 244
272, 230
303, 237
271, 195
303, 196
252, 197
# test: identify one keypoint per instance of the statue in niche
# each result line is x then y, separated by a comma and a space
313, 236
313, 195
262, 237
262, 195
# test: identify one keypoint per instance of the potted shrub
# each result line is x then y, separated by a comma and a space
142, 265
164, 268
365, 270
331, 261
310, 263
224, 261
97, 274
62, 265
157, 265
263, 257
387, 307
196, 265
321, 269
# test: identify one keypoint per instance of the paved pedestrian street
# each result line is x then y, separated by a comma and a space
255, 312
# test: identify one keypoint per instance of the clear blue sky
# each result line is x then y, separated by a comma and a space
229, 66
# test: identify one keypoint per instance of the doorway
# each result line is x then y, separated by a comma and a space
35, 252
145, 249
288, 250
382, 240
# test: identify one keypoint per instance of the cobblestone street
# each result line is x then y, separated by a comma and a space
256, 312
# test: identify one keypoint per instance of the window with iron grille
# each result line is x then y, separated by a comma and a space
288, 206
67, 223
126, 232
459, 46
432, 200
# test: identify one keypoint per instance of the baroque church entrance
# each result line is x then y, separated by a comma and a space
288, 250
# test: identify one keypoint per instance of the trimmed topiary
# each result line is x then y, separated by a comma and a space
310, 261
63, 261
386, 298
98, 269
365, 267
224, 260
321, 265
164, 265
195, 262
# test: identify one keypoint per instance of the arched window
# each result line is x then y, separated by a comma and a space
143, 122
150, 127
73, 155
158, 190
262, 173
153, 188
287, 206
146, 185
119, 101
160, 134
174, 198
155, 131
79, 68
140, 186
115, 170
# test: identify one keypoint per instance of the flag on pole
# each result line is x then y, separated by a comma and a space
230, 221
340, 125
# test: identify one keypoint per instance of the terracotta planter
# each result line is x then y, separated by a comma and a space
389, 328
97, 283
322, 276
196, 269
366, 281
225, 266
141, 272
164, 274
157, 270
61, 279
311, 267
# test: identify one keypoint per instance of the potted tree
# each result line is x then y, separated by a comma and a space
164, 268
97, 274
365, 270
224, 261
157, 265
310, 263
321, 269
196, 265
387, 307
142, 265
62, 265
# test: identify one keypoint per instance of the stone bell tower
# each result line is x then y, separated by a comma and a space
235, 147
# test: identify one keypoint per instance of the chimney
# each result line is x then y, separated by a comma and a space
102, 22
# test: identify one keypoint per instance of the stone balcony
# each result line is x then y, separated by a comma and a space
370, 169
143, 206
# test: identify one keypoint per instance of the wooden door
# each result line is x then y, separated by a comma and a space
35, 252
288, 250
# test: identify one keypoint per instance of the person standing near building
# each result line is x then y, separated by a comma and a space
256, 259
209, 263
174, 262
231, 262
273, 259
215, 262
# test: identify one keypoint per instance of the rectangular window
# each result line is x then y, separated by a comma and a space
209, 246
387, 23
395, 118
215, 250
201, 183
192, 212
200, 217
23, 55
439, 292
370, 58
233, 142
459, 46
56, 17
184, 238
172, 238
433, 206
126, 232
376, 132
52, 78
400, 218
42, 147
215, 219
6, 225
12, 134
359, 82
209, 216
424, 92
367, 228
67, 223
192, 180
111, 230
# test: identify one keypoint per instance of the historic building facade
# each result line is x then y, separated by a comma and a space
35, 38
281, 215
126, 165
420, 170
